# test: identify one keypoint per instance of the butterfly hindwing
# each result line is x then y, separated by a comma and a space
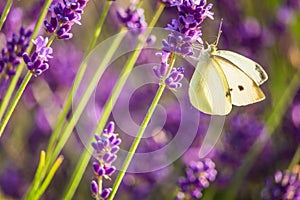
243, 89
209, 90
248, 66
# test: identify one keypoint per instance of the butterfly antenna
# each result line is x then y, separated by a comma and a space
220, 32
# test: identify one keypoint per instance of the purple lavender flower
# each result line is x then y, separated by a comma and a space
176, 75
64, 16
12, 53
94, 188
106, 148
172, 2
161, 71
133, 18
198, 176
38, 62
191, 15
179, 44
282, 186
184, 32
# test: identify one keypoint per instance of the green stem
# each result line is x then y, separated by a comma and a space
100, 180
38, 171
80, 107
15, 101
124, 76
80, 169
272, 123
85, 98
16, 77
295, 159
55, 135
5, 12
84, 159
18, 95
61, 119
140, 133
48, 179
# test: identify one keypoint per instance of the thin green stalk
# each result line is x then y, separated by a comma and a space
48, 179
78, 78
40, 167
18, 95
5, 12
295, 159
16, 77
83, 101
140, 133
124, 76
14, 102
272, 123
61, 119
100, 180
84, 159
80, 168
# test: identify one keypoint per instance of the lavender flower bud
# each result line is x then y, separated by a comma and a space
94, 188
176, 75
105, 193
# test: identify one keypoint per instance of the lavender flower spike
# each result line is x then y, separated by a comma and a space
173, 81
37, 63
64, 16
106, 147
198, 176
283, 186
176, 75
133, 18
11, 54
184, 32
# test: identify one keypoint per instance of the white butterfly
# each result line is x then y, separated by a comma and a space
223, 78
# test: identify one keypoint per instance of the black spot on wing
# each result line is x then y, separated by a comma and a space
228, 92
241, 88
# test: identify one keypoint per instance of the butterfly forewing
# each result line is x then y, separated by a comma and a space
209, 90
242, 88
248, 66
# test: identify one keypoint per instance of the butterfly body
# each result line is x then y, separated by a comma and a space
223, 78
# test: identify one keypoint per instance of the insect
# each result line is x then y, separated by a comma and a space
224, 78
